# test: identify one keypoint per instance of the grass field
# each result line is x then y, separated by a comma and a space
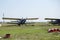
37, 32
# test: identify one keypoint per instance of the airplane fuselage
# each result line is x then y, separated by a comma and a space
56, 22
22, 21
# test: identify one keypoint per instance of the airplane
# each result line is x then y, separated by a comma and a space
54, 21
18, 21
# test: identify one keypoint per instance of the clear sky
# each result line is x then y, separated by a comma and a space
30, 8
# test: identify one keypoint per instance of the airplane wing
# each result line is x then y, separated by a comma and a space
31, 18
52, 19
11, 18
11, 23
19, 18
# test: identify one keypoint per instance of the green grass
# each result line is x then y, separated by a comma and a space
29, 32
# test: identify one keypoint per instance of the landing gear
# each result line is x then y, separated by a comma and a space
18, 24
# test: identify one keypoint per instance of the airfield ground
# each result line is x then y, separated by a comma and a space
29, 32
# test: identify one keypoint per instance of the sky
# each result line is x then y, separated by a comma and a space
30, 8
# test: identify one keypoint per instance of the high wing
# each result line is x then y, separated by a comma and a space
32, 18
52, 19
11, 18
19, 18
